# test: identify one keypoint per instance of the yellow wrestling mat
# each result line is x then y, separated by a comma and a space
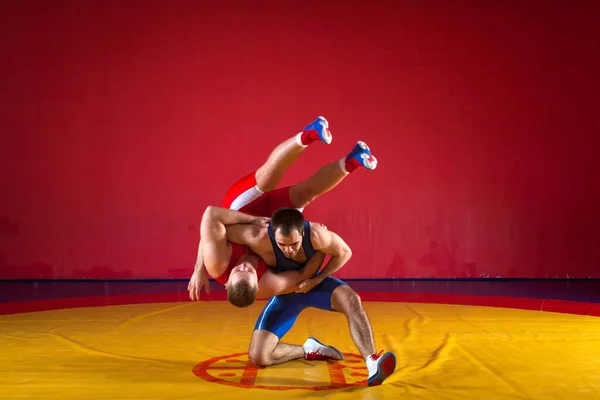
198, 350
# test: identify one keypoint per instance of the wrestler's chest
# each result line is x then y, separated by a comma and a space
270, 258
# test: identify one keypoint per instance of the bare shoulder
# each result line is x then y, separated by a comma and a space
318, 233
317, 227
258, 234
261, 232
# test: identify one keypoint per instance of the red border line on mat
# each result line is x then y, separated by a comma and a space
523, 303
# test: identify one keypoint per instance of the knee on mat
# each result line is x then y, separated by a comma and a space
259, 358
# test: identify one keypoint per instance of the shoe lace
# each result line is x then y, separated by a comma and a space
376, 356
315, 355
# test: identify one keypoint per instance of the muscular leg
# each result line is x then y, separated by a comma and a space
270, 173
266, 349
347, 301
322, 181
330, 175
277, 318
331, 294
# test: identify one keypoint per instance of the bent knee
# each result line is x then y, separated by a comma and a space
354, 301
300, 198
347, 301
259, 358
302, 203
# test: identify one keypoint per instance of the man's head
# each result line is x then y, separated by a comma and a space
242, 286
288, 228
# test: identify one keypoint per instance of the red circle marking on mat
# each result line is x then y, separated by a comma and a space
210, 371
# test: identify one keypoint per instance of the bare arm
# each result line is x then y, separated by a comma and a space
247, 235
230, 217
213, 249
199, 260
199, 278
331, 243
213, 230
272, 284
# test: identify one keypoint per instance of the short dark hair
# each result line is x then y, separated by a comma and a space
243, 294
286, 220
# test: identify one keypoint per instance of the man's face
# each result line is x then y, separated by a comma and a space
244, 271
289, 245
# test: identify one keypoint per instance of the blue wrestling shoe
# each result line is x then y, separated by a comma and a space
362, 154
320, 126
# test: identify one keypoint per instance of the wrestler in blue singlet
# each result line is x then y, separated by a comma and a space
281, 312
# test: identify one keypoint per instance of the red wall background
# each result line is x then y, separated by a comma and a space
121, 121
